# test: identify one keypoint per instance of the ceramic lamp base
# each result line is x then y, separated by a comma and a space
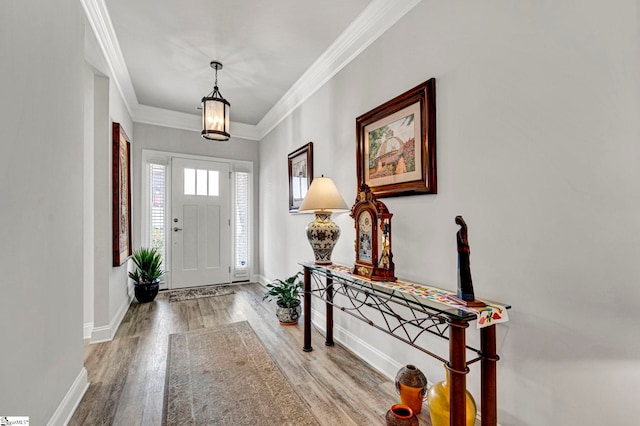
323, 234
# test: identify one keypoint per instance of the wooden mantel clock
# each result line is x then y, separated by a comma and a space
374, 258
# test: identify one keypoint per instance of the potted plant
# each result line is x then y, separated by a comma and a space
147, 273
287, 296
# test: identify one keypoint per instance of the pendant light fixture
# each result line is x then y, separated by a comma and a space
215, 112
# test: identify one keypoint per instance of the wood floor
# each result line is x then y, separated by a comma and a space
127, 375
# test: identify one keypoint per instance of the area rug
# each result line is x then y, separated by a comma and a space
199, 292
224, 376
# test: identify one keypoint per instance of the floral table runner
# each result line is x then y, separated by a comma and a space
486, 315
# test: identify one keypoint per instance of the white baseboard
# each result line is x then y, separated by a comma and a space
87, 330
259, 279
372, 356
70, 401
105, 333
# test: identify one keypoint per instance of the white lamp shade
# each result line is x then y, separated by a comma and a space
323, 195
215, 118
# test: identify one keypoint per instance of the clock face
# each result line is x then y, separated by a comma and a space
365, 223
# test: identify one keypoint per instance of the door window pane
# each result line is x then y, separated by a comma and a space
189, 182
214, 185
201, 182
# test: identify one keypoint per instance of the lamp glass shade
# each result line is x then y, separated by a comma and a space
323, 195
215, 118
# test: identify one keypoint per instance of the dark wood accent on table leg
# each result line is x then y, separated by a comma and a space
329, 312
307, 311
457, 372
488, 368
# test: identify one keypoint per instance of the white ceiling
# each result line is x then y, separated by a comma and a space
275, 53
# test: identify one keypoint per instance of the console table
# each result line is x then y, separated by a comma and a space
404, 315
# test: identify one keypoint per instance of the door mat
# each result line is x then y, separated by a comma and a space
199, 292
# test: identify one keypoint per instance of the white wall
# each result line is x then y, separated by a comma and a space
118, 278
537, 147
172, 140
41, 188
88, 210
110, 288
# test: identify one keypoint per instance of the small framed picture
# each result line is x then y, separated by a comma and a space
300, 175
396, 144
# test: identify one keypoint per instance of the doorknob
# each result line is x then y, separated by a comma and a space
176, 229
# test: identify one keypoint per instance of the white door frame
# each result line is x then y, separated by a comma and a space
164, 157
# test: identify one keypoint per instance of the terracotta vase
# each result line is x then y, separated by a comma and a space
438, 402
401, 415
411, 384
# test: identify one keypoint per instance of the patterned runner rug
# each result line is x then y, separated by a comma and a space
224, 376
198, 292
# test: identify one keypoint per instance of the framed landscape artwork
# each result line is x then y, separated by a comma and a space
396, 144
300, 175
121, 184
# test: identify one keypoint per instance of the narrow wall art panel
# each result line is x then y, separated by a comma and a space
121, 184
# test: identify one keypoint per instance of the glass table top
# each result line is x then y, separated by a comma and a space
411, 294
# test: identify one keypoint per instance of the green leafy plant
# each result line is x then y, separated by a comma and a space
286, 293
148, 266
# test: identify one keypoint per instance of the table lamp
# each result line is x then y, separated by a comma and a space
323, 199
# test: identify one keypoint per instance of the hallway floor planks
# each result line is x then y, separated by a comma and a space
127, 375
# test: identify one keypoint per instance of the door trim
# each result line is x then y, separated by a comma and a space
164, 157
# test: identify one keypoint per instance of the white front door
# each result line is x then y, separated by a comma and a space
200, 223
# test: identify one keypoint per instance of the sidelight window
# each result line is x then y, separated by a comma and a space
241, 224
157, 216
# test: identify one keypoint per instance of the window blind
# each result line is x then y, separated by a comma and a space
157, 178
241, 231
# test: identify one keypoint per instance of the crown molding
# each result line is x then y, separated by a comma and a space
100, 22
179, 120
164, 117
374, 20
244, 131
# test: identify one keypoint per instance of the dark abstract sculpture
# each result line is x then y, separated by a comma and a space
465, 284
